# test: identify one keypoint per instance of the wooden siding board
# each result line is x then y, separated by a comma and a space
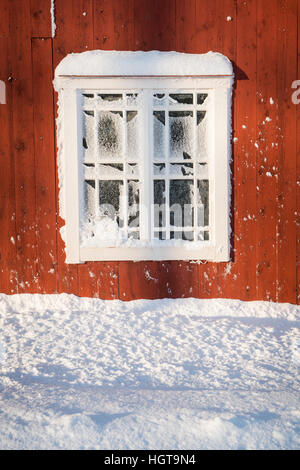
74, 33
239, 276
8, 268
44, 164
114, 27
40, 18
154, 25
286, 170
267, 134
298, 169
4, 19
22, 144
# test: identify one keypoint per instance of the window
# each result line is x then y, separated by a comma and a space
144, 161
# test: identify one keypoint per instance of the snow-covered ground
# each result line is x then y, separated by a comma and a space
161, 374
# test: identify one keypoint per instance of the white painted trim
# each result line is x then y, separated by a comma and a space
71, 135
217, 249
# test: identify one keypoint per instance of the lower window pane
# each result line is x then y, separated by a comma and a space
159, 203
203, 203
181, 203
184, 235
133, 204
110, 200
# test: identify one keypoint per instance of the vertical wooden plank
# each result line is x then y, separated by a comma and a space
74, 33
154, 25
4, 19
44, 164
113, 25
40, 18
298, 171
286, 171
22, 144
186, 20
267, 143
238, 278
8, 273
139, 280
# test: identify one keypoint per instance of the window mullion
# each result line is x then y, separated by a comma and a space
167, 159
146, 138
125, 182
195, 154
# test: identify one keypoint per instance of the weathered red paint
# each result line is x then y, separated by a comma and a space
260, 37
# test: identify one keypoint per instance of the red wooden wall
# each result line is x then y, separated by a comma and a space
262, 40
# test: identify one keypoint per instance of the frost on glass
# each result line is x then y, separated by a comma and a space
180, 98
159, 123
159, 169
182, 235
160, 235
110, 134
202, 170
203, 203
132, 99
201, 97
159, 99
159, 199
88, 135
203, 235
134, 235
111, 197
88, 99
89, 199
181, 169
108, 99
133, 204
202, 134
181, 134
132, 135
111, 170
181, 203
133, 169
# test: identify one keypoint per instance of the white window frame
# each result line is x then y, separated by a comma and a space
218, 246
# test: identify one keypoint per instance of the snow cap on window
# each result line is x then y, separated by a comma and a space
152, 63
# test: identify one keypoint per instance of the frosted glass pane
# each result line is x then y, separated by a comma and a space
133, 169
203, 236
202, 134
181, 169
160, 235
159, 122
133, 204
110, 199
159, 169
182, 235
111, 170
110, 134
159, 203
89, 198
203, 202
132, 135
159, 99
88, 135
181, 134
88, 99
132, 99
181, 203
107, 99
202, 170
201, 97
134, 235
180, 98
